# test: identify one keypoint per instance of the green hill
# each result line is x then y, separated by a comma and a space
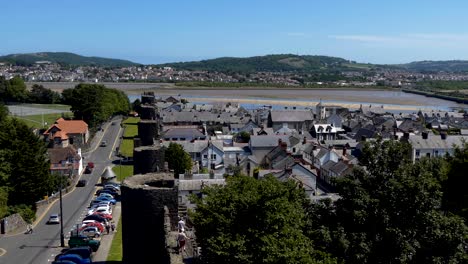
436, 66
271, 63
63, 58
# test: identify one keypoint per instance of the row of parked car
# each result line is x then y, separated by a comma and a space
84, 239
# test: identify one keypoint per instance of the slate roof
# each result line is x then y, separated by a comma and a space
436, 142
291, 115
267, 140
57, 155
183, 133
196, 146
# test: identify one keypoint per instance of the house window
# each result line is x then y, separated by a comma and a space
436, 153
428, 155
197, 155
205, 156
417, 153
213, 156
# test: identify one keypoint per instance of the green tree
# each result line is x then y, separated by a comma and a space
41, 95
243, 137
455, 195
253, 221
389, 212
25, 163
136, 106
94, 103
13, 90
178, 159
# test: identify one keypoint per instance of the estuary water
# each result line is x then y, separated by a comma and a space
391, 100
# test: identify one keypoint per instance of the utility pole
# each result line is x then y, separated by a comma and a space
62, 237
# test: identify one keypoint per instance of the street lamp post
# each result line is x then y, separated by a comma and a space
62, 238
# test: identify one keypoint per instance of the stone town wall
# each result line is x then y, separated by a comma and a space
144, 198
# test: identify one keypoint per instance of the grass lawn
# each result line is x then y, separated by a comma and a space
115, 251
130, 130
126, 148
123, 171
131, 120
35, 121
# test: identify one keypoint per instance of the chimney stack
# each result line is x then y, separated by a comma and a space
424, 135
443, 136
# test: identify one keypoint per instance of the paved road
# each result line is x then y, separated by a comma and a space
41, 246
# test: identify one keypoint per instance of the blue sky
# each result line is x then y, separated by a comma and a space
158, 31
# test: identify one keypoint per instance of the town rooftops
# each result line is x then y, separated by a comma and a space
291, 115
436, 141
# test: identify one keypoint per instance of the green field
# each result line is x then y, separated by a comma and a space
131, 127
35, 121
123, 171
126, 148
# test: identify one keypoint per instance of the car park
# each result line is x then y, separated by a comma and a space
102, 209
53, 219
75, 258
109, 191
84, 252
90, 231
102, 199
96, 224
104, 215
80, 241
108, 195
63, 262
112, 187
95, 217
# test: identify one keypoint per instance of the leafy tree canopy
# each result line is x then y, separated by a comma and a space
253, 221
389, 212
94, 103
13, 90
41, 95
178, 159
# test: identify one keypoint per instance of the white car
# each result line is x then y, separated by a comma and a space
90, 231
54, 219
101, 209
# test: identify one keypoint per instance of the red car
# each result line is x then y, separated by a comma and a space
99, 226
105, 216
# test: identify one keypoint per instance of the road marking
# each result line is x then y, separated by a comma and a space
2, 252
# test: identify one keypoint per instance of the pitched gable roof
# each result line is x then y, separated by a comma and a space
70, 126
57, 155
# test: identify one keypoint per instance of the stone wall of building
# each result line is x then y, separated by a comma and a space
148, 112
148, 159
143, 216
148, 131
